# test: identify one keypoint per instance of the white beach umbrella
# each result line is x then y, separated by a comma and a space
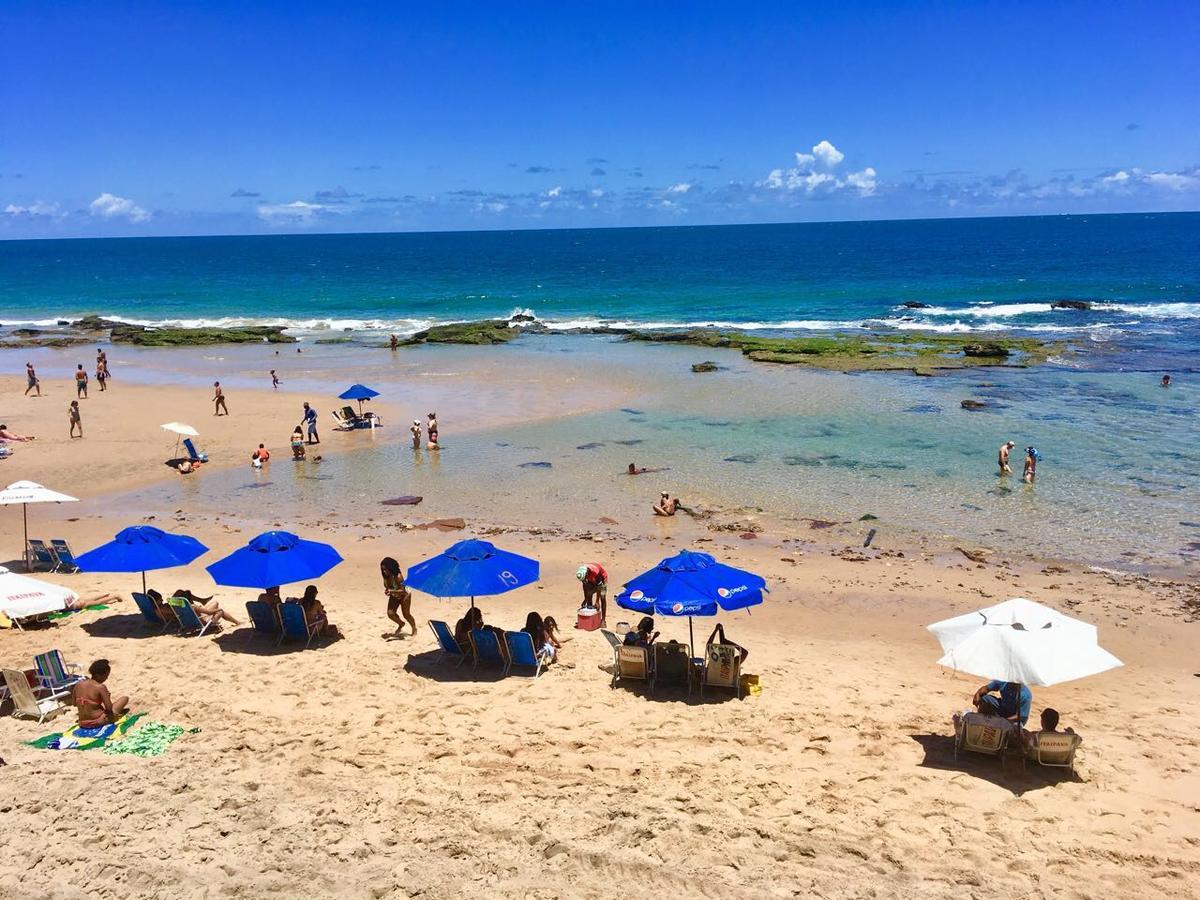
21, 597
26, 492
181, 431
1022, 642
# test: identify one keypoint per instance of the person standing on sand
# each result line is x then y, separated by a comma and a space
81, 382
1005, 449
416, 434
32, 379
310, 421
73, 415
398, 596
1031, 459
219, 400
101, 376
274, 380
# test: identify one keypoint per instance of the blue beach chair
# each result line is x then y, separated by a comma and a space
521, 652
296, 625
487, 648
56, 674
189, 620
41, 555
66, 559
149, 610
263, 618
446, 642
192, 454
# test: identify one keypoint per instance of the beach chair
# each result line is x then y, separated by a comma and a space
446, 642
66, 559
263, 618
521, 652
56, 674
41, 555
977, 733
189, 619
722, 668
295, 624
613, 640
149, 610
1055, 749
192, 454
631, 664
672, 666
25, 699
487, 649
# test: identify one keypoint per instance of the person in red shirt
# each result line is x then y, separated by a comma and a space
595, 588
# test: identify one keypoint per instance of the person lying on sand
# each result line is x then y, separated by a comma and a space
719, 631
1005, 699
92, 599
665, 505
1029, 739
641, 636
205, 607
91, 697
9, 437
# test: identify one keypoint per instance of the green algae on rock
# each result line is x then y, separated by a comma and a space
486, 331
122, 333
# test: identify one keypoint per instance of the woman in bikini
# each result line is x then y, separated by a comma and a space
398, 596
95, 704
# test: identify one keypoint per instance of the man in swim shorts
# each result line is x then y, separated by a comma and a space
595, 588
1005, 449
93, 700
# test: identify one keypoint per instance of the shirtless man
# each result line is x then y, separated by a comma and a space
96, 705
1005, 449
219, 400
665, 505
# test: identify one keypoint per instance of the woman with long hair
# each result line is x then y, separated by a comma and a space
398, 596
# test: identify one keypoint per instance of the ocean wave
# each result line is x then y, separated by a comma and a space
1174, 310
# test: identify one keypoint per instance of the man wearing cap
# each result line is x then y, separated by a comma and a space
595, 588
665, 505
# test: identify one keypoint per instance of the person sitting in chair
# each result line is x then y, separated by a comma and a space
91, 697
641, 636
1049, 726
471, 620
205, 607
719, 631
1012, 703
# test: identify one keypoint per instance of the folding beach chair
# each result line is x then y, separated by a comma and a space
446, 642
189, 619
1055, 749
149, 610
672, 666
25, 699
41, 555
56, 674
487, 648
522, 653
632, 664
978, 733
66, 559
263, 618
722, 668
295, 624
192, 454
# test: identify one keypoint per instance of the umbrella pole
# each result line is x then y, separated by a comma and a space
25, 525
143, 581
691, 635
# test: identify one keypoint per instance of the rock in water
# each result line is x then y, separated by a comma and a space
536, 465
974, 404
707, 366
987, 349
1070, 304
915, 304
407, 500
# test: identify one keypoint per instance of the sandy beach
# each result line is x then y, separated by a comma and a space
365, 768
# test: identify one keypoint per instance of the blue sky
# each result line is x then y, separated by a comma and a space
204, 118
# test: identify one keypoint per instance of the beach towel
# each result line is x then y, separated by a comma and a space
86, 738
95, 607
152, 739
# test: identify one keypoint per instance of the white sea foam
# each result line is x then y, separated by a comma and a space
982, 310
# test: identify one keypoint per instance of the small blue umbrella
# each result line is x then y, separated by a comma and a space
473, 569
141, 548
274, 558
359, 392
692, 584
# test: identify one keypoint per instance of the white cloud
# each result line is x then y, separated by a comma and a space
1174, 181
805, 159
826, 153
39, 208
1121, 177
554, 191
682, 188
110, 206
298, 212
863, 181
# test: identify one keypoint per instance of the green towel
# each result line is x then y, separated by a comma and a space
95, 607
152, 739
87, 738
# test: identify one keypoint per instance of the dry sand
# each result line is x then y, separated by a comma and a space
365, 768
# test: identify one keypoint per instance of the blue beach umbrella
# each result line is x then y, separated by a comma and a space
272, 559
141, 548
473, 569
359, 392
692, 584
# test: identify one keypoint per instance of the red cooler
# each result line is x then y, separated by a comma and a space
588, 619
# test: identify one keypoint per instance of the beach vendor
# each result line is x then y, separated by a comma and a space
594, 579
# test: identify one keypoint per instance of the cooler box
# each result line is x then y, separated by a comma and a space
588, 619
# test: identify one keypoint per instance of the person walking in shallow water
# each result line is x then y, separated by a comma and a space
219, 400
1005, 450
415, 430
1031, 460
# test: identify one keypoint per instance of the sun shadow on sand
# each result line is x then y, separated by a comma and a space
128, 625
431, 665
247, 640
939, 754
